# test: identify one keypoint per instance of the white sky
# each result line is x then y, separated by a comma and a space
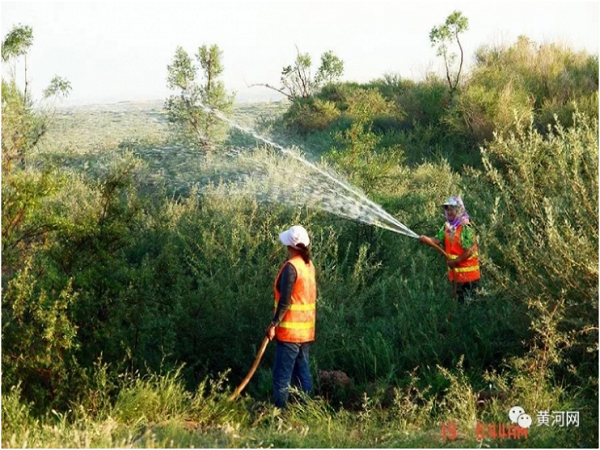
114, 51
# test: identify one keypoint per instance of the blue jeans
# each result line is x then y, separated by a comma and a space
291, 366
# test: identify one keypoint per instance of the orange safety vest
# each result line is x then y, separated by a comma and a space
298, 324
468, 270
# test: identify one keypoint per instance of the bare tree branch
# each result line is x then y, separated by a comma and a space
288, 96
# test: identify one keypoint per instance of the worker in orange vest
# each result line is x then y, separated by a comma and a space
293, 323
460, 243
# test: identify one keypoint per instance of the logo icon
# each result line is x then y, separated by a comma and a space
517, 415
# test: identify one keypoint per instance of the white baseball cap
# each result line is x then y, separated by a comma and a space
294, 236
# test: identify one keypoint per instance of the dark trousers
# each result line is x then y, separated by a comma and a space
466, 290
290, 367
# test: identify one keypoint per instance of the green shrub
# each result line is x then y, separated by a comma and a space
425, 103
525, 81
544, 198
311, 114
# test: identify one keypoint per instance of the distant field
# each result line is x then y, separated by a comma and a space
91, 127
87, 137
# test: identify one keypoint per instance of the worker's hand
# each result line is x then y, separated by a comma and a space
452, 263
270, 332
423, 239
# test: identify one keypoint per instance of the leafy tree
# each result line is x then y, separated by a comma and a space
58, 87
23, 126
17, 43
194, 110
330, 70
20, 129
442, 36
297, 80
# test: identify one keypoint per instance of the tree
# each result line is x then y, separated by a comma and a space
194, 110
442, 36
22, 126
17, 43
331, 69
297, 80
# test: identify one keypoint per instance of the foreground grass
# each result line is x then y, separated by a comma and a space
157, 412
297, 428
308, 426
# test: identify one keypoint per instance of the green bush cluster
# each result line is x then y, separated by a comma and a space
508, 84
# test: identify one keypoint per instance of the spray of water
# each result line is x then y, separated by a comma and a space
294, 180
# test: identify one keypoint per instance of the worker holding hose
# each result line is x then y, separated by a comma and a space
293, 323
460, 244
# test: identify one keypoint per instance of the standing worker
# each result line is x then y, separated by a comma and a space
460, 243
293, 324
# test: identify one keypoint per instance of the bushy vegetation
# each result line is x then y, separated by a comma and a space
132, 306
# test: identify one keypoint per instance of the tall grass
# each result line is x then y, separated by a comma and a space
159, 412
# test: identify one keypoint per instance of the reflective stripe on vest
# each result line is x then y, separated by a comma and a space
298, 324
467, 270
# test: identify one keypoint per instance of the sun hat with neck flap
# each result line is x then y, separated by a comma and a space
452, 201
461, 217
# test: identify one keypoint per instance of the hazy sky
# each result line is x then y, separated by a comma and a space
112, 51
